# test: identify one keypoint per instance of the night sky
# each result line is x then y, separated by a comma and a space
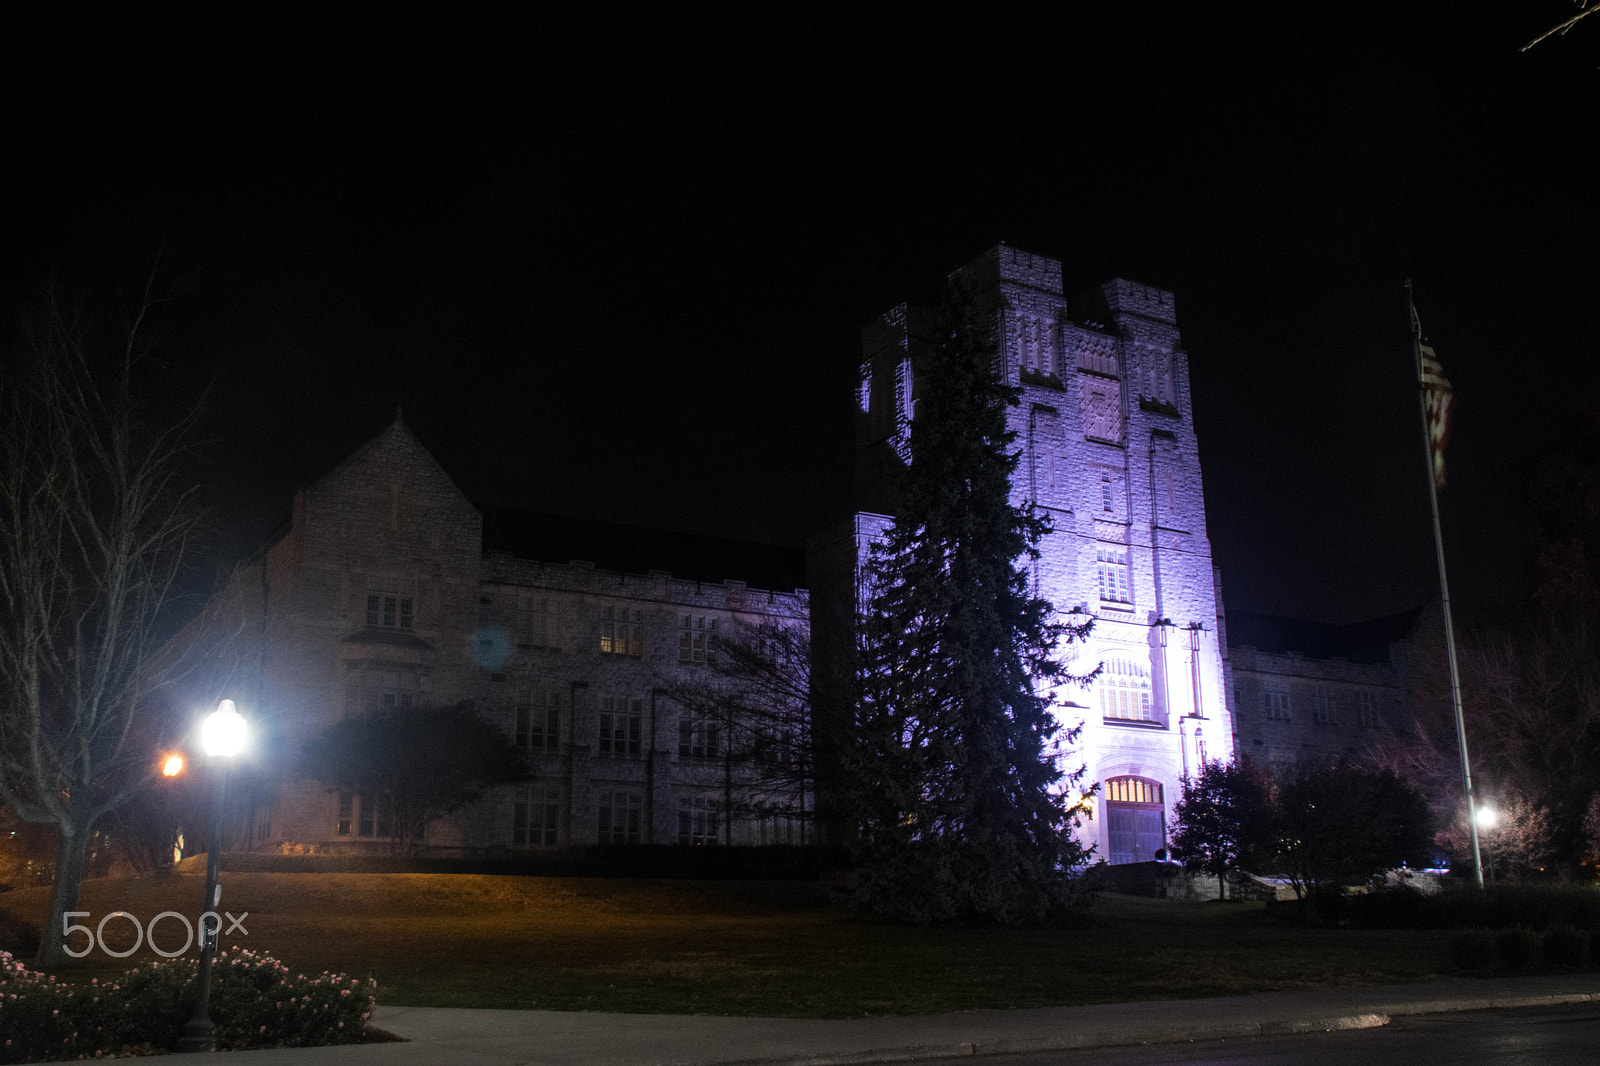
618, 269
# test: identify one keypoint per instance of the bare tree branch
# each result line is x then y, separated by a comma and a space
95, 521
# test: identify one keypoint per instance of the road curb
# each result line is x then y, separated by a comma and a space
1125, 1034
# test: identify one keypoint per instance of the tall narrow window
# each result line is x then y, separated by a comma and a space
1105, 492
1124, 690
697, 737
538, 720
534, 818
1366, 710
697, 820
620, 817
622, 632
1113, 572
536, 622
696, 639
621, 726
1322, 705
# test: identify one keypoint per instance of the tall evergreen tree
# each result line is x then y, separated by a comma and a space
959, 803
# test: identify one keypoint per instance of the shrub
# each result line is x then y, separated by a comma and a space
1502, 906
1396, 907
1564, 946
1517, 947
255, 1002
1472, 950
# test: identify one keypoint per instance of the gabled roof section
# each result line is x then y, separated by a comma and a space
398, 434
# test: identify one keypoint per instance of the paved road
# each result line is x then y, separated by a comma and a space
1529, 1036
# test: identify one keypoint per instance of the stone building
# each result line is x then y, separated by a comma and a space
1313, 693
1109, 454
381, 593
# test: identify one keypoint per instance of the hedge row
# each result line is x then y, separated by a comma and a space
1497, 907
255, 1001
1519, 948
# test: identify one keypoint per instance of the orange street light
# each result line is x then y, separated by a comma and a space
172, 765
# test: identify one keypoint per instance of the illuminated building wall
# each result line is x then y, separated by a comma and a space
1109, 455
380, 594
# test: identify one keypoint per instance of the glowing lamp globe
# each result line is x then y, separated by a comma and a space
1487, 818
172, 766
223, 732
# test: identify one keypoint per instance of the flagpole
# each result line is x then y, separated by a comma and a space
1444, 592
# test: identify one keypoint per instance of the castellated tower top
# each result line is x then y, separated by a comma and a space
1119, 296
1004, 264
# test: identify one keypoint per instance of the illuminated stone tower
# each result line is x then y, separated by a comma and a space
1108, 454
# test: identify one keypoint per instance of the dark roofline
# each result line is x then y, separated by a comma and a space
555, 538
1366, 641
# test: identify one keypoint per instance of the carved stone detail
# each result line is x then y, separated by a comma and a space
1102, 409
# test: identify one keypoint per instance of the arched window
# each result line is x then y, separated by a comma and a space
1125, 690
1135, 819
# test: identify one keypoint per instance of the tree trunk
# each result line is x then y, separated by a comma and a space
70, 855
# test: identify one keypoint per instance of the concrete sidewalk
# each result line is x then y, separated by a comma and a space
556, 1038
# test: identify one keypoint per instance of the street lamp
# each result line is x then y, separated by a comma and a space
222, 735
1486, 819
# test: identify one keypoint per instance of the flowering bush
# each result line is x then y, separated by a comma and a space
255, 1002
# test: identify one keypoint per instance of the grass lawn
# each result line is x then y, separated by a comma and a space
734, 947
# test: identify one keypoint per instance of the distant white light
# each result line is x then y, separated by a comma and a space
1487, 818
223, 733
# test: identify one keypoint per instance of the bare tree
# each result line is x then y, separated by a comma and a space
95, 521
1585, 8
756, 696
1531, 688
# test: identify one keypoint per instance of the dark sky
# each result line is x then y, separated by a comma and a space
619, 269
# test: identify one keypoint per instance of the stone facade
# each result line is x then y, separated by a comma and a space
1109, 454
1309, 693
380, 594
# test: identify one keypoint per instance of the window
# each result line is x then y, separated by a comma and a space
539, 720
697, 820
1322, 705
697, 641
773, 746
1125, 690
621, 814
363, 813
1366, 710
536, 622
1114, 583
534, 818
771, 827
1105, 492
697, 737
621, 725
1275, 703
381, 690
388, 610
622, 632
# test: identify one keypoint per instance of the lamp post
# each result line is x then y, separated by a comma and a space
221, 736
1485, 818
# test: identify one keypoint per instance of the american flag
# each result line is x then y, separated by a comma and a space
1440, 397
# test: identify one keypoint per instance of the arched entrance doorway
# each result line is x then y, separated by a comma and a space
1134, 819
